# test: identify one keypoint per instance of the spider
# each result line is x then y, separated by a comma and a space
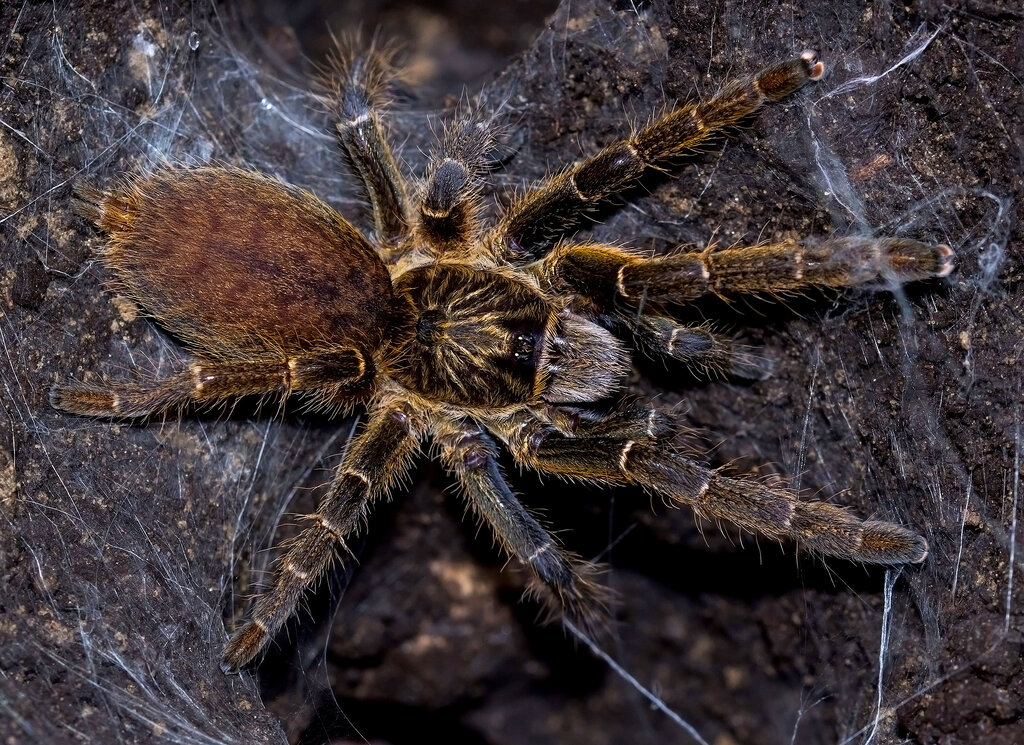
473, 336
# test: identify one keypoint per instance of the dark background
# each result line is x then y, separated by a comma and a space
125, 549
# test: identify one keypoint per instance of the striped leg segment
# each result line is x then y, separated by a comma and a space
378, 458
333, 375
354, 85
615, 278
566, 582
770, 511
534, 223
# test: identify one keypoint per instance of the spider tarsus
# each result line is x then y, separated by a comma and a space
889, 545
899, 259
834, 531
243, 647
88, 201
584, 599
815, 67
356, 77
85, 400
945, 254
700, 349
788, 77
58, 396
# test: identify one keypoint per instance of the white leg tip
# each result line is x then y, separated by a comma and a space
815, 67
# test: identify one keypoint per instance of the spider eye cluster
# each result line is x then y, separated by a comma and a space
524, 347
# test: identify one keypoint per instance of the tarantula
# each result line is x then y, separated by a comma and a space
472, 336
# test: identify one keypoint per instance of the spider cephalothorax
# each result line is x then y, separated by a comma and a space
467, 335
481, 338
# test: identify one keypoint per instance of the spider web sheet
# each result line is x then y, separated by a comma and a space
124, 550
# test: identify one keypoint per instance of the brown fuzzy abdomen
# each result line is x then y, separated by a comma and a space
240, 266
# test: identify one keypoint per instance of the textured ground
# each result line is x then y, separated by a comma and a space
126, 549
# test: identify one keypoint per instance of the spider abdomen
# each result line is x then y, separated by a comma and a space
241, 266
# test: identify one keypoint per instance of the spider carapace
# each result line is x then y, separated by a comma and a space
469, 334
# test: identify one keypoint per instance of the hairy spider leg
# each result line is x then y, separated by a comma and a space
533, 224
770, 511
615, 278
634, 290
632, 421
355, 87
566, 582
334, 375
378, 458
698, 347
